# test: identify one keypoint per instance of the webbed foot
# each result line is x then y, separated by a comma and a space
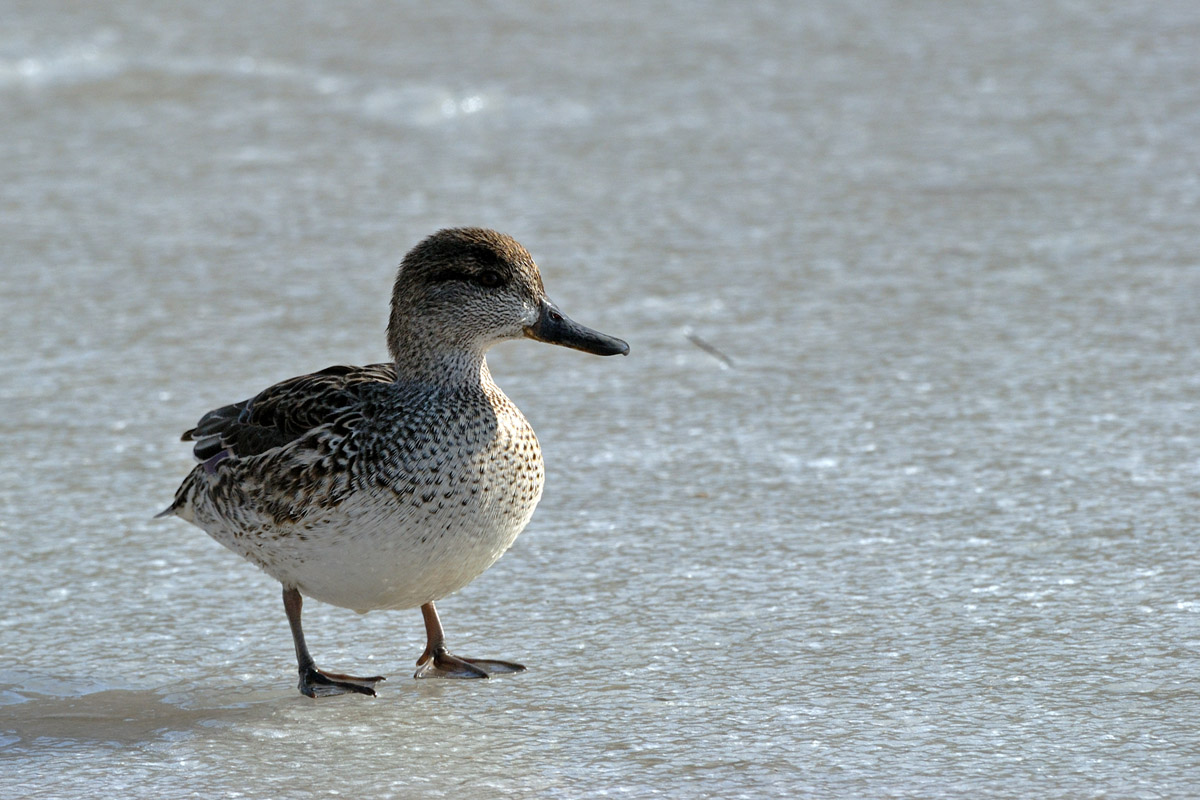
441, 664
318, 683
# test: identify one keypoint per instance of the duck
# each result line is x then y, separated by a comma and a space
391, 485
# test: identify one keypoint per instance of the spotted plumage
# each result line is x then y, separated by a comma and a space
390, 485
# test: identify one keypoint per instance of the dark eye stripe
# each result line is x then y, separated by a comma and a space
447, 275
488, 278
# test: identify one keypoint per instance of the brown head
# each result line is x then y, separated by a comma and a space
462, 290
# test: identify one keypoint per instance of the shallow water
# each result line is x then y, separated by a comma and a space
917, 523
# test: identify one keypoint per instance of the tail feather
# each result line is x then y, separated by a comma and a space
181, 506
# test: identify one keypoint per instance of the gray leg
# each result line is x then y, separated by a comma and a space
315, 682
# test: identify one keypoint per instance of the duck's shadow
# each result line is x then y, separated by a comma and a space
116, 716
37, 719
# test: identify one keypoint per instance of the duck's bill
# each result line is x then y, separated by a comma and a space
554, 327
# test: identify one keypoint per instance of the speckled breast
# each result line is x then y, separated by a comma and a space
434, 501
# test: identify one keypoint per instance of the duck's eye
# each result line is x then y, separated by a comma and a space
489, 279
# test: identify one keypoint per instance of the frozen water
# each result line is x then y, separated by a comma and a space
895, 495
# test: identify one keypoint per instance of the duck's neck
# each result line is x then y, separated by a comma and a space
448, 368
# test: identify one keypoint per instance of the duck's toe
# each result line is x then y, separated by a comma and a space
442, 664
318, 683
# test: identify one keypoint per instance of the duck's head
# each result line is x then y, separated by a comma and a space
465, 289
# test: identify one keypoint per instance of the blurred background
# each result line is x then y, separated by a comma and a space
894, 496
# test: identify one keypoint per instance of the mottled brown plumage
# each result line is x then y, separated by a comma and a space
390, 485
284, 412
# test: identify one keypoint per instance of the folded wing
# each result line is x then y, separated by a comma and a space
283, 413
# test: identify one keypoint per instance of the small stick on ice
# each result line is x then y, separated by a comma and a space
725, 360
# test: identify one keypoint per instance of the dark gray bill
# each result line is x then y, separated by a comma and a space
554, 327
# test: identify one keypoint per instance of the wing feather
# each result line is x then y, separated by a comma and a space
282, 413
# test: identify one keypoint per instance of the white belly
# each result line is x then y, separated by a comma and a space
388, 566
374, 554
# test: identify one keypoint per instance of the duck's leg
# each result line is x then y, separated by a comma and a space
437, 662
315, 682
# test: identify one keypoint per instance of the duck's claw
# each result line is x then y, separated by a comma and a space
317, 683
